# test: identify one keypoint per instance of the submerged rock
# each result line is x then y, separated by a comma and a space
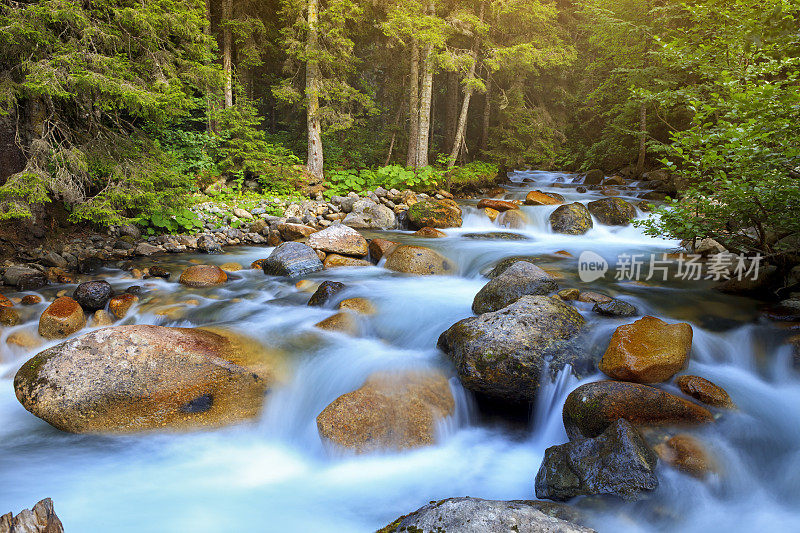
615, 308
496, 236
503, 354
326, 291
618, 462
612, 211
520, 279
361, 306
61, 319
647, 351
435, 214
41, 518
292, 259
343, 322
198, 276
120, 305
134, 378
592, 407
390, 411
429, 233
571, 219
687, 454
336, 260
514, 219
93, 295
705, 391
419, 260
474, 515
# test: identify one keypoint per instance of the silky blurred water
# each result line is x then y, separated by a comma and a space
275, 474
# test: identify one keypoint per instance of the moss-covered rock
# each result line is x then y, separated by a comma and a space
571, 219
612, 211
435, 214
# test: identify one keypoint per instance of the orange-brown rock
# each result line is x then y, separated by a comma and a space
419, 260
336, 260
390, 411
540, 198
31, 299
101, 318
491, 213
231, 267
120, 304
514, 219
687, 454
497, 205
379, 247
9, 316
343, 322
358, 305
429, 233
23, 339
258, 264
592, 407
294, 232
569, 294
5, 302
61, 319
647, 351
203, 276
705, 391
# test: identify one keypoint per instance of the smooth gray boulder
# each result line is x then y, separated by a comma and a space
520, 279
292, 259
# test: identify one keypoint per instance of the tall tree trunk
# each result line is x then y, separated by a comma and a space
314, 164
425, 99
413, 106
642, 139
210, 124
227, 51
451, 108
487, 117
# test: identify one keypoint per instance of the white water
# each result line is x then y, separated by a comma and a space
275, 475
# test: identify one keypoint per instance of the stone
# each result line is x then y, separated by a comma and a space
503, 354
241, 213
687, 454
146, 249
647, 351
342, 322
23, 339
592, 407
120, 305
292, 259
101, 318
358, 305
491, 213
203, 276
435, 214
429, 233
612, 211
156, 271
496, 236
93, 295
9, 316
520, 279
41, 518
379, 247
295, 232
258, 264
5, 302
614, 180
16, 274
474, 515
571, 219
569, 295
390, 411
419, 260
615, 308
705, 391
137, 378
339, 239
367, 214
231, 267
325, 291
593, 177
594, 297
61, 319
514, 219
503, 265
618, 462
497, 205
540, 198
336, 260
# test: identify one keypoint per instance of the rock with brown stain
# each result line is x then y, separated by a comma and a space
61, 319
40, 519
361, 306
9, 316
491, 213
647, 351
31, 299
429, 233
435, 214
339, 239
120, 305
390, 411
687, 454
258, 264
336, 260
24, 339
231, 267
419, 260
705, 391
592, 407
101, 318
593, 297
343, 322
295, 232
203, 276
136, 378
5, 302
379, 247
540, 198
497, 205
514, 219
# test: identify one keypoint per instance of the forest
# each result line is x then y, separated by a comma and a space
118, 109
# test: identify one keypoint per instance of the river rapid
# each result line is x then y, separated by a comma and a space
276, 475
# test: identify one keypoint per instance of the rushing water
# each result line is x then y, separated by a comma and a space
275, 475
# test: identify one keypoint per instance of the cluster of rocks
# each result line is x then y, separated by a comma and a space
40, 519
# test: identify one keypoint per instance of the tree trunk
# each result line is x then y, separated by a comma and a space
461, 129
487, 117
413, 106
211, 127
451, 108
314, 164
227, 51
426, 92
642, 139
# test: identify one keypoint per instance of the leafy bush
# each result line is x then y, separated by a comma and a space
180, 220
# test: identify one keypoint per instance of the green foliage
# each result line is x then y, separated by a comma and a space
170, 220
343, 181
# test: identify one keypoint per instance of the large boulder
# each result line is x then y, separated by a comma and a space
135, 378
390, 411
203, 276
61, 319
503, 354
419, 260
40, 519
339, 239
435, 214
292, 259
618, 462
592, 407
367, 214
612, 211
93, 295
571, 219
647, 351
474, 515
594, 177
520, 279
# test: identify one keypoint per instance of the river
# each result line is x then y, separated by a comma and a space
275, 474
